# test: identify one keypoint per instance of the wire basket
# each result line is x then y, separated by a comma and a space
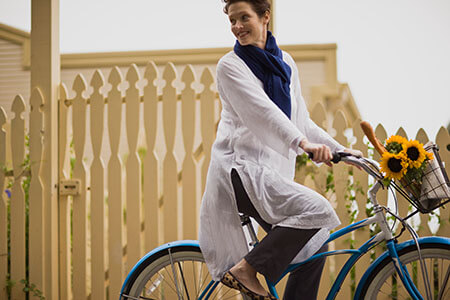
433, 190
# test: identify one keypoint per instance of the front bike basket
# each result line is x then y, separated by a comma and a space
433, 190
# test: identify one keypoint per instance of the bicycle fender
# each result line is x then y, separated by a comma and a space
162, 248
399, 247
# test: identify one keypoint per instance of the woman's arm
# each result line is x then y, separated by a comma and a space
254, 108
316, 140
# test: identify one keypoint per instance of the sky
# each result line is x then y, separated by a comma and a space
394, 54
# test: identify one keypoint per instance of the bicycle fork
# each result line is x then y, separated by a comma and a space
403, 272
399, 267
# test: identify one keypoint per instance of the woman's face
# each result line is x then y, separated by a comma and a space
247, 26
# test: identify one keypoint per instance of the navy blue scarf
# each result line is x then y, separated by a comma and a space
269, 67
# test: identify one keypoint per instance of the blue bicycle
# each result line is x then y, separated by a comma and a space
416, 269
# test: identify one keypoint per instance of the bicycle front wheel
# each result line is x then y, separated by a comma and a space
384, 283
176, 273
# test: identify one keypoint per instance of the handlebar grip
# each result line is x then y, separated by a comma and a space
336, 156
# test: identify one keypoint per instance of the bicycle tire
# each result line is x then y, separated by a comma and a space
383, 282
175, 273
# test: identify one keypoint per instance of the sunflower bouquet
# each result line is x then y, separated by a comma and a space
404, 159
416, 171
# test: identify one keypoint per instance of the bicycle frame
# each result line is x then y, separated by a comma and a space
385, 234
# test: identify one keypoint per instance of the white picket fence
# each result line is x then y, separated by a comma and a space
139, 149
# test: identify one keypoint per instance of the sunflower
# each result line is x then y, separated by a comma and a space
429, 155
395, 143
414, 152
394, 165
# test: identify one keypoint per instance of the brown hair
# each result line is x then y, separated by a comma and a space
259, 6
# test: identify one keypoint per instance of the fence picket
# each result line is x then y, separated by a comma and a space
115, 197
360, 182
207, 123
170, 201
382, 195
36, 196
97, 170
403, 204
341, 178
319, 116
443, 142
133, 170
80, 206
151, 161
65, 257
189, 178
172, 217
17, 198
424, 229
321, 174
381, 134
3, 209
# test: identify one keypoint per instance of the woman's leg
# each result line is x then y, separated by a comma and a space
277, 249
303, 283
243, 202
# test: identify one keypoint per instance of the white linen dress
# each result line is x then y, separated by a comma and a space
257, 139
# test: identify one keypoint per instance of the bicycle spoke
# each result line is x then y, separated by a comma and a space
228, 291
195, 279
184, 280
174, 275
444, 284
204, 280
170, 286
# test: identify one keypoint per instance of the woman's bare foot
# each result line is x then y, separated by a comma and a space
246, 274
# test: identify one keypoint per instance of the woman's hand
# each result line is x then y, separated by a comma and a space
321, 153
354, 152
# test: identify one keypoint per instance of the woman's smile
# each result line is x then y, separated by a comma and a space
243, 34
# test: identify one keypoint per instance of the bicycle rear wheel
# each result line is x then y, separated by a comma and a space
176, 273
384, 283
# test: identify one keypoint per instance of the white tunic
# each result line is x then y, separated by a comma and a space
257, 139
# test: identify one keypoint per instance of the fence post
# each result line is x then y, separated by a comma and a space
45, 75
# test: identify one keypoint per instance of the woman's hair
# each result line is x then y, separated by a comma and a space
259, 6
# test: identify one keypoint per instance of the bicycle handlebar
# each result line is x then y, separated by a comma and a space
337, 156
368, 165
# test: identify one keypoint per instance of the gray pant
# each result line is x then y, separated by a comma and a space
276, 250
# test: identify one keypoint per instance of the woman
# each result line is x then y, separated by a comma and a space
264, 126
